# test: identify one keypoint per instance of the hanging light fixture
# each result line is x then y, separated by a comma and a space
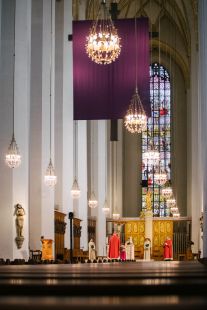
135, 119
13, 157
50, 177
103, 43
105, 208
75, 190
92, 202
176, 214
167, 192
174, 209
171, 202
160, 178
151, 157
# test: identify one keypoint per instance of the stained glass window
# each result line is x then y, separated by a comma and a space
158, 136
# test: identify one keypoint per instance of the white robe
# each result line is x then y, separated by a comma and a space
91, 250
147, 250
129, 246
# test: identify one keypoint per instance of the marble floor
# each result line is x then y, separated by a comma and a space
130, 285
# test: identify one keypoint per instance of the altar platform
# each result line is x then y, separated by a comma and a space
130, 285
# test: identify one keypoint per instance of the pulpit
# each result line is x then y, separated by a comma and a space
47, 249
60, 227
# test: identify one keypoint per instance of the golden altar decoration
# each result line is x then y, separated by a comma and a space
47, 249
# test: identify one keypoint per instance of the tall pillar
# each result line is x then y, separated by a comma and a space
102, 176
14, 182
83, 181
41, 196
82, 203
148, 218
202, 30
58, 124
67, 118
22, 110
194, 183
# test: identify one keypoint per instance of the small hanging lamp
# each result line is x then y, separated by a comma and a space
92, 201
75, 190
50, 177
135, 120
13, 157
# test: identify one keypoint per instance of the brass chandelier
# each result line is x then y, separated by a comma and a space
151, 157
103, 43
160, 178
135, 119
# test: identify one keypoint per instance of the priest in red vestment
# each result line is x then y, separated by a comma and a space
114, 246
168, 251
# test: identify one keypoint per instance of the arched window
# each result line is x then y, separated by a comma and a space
158, 134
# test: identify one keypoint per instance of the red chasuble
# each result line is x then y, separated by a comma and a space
168, 255
114, 245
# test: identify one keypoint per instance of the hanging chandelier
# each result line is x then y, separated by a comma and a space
176, 214
167, 192
103, 43
92, 202
116, 216
106, 208
50, 177
151, 157
160, 178
171, 202
75, 190
174, 209
136, 119
13, 157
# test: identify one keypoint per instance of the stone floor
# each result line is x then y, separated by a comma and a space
134, 285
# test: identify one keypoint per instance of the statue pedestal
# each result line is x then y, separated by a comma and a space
47, 251
19, 242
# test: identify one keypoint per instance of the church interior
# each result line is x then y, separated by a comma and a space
103, 155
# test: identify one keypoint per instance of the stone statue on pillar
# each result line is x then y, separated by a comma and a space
19, 212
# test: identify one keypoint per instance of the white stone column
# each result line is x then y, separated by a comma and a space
82, 203
48, 63
58, 124
120, 168
102, 175
22, 111
67, 165
14, 182
35, 160
82, 181
41, 196
202, 30
194, 179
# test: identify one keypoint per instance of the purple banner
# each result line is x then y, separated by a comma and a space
105, 91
